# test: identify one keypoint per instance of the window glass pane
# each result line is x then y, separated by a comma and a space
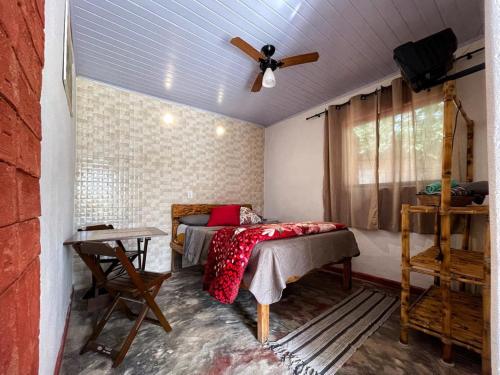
365, 147
409, 148
428, 137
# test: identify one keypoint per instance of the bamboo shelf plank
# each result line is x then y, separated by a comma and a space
470, 210
466, 265
465, 210
466, 317
423, 209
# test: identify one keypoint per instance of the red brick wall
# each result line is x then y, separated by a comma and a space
21, 62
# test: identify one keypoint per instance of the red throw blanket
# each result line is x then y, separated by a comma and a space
231, 248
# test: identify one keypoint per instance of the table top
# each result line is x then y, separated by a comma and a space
114, 234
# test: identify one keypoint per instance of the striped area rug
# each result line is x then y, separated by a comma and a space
325, 343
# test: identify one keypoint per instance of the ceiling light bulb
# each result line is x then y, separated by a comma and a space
268, 80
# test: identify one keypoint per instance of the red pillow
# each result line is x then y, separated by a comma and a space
224, 215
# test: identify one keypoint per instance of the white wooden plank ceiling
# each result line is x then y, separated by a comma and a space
179, 49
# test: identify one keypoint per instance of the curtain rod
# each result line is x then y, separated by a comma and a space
340, 105
463, 73
317, 114
468, 55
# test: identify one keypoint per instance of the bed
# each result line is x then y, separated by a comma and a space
272, 265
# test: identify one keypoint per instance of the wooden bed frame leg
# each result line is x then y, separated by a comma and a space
347, 275
262, 322
175, 261
447, 354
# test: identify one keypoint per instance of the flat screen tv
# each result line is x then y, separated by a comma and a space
426, 62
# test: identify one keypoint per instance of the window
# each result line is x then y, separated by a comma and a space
413, 144
383, 148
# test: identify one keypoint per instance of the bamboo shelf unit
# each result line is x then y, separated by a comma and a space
456, 317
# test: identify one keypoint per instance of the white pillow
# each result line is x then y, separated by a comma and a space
247, 216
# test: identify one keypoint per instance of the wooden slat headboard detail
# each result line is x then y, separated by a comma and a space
179, 210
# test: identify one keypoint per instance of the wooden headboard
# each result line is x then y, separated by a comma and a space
179, 210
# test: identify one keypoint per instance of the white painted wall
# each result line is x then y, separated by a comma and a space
293, 174
492, 14
56, 189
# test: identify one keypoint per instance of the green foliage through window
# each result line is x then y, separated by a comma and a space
409, 146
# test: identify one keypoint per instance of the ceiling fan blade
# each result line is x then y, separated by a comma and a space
257, 85
247, 48
299, 59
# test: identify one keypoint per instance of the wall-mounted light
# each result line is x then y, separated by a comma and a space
220, 131
168, 119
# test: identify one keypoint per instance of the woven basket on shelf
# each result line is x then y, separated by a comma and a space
435, 200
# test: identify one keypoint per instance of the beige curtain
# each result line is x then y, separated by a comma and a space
350, 183
380, 150
410, 127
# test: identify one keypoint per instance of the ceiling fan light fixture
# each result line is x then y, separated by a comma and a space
267, 64
268, 80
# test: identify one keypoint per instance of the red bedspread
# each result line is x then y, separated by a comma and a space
231, 248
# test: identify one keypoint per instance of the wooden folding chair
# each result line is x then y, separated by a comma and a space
133, 286
139, 253
92, 294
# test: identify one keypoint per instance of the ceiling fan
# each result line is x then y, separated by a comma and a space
267, 64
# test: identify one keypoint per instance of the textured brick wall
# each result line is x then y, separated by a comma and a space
21, 62
115, 156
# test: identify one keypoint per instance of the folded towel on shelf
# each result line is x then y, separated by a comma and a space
435, 187
478, 189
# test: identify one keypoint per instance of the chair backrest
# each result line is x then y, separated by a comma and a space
101, 227
90, 249
97, 248
96, 227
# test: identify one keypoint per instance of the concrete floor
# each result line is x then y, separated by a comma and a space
211, 338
